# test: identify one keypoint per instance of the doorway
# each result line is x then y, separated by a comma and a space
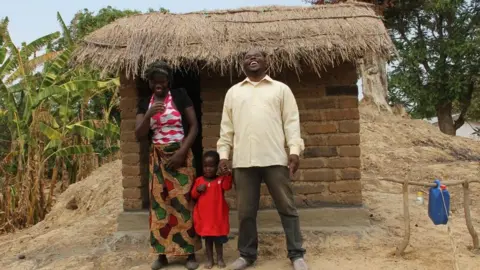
190, 81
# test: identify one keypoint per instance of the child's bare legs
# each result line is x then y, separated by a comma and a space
219, 250
209, 250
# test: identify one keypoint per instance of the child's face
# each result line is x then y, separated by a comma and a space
210, 167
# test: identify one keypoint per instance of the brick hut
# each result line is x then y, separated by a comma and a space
312, 49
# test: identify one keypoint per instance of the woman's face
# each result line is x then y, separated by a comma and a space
159, 84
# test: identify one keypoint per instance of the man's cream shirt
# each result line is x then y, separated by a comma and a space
257, 119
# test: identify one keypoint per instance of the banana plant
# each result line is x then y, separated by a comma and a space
58, 134
18, 86
67, 124
40, 109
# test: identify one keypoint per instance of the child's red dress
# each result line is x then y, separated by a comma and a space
210, 215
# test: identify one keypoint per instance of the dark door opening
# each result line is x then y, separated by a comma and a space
190, 81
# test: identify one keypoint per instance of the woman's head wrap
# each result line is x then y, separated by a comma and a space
159, 67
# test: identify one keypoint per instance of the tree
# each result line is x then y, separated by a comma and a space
439, 58
86, 21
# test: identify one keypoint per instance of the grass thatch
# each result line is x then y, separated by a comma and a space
316, 36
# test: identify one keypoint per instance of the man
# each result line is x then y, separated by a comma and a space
259, 115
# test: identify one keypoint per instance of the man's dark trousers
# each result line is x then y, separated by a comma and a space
247, 184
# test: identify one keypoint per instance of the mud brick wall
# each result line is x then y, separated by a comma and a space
330, 167
134, 155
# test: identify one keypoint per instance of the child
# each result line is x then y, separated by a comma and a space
210, 216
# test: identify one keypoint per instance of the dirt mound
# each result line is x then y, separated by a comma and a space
99, 195
77, 234
397, 146
82, 216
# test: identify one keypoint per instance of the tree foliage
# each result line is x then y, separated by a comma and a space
437, 71
86, 21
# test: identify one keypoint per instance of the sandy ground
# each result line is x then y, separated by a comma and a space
391, 147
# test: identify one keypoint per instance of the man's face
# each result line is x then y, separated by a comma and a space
254, 62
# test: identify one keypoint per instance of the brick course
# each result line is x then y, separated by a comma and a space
320, 151
349, 151
349, 126
345, 186
131, 182
132, 204
131, 159
129, 147
316, 128
132, 193
350, 174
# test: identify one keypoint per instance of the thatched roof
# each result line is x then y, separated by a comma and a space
316, 36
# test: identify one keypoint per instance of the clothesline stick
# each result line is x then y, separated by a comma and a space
468, 216
425, 184
406, 221
400, 251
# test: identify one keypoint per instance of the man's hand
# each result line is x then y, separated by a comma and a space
156, 107
201, 188
293, 163
223, 166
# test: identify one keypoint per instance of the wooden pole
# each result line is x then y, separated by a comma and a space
406, 220
447, 183
468, 217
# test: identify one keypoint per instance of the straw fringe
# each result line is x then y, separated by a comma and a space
294, 37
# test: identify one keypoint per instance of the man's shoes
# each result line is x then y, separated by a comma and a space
299, 264
240, 264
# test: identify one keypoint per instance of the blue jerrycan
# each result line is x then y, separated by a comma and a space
438, 203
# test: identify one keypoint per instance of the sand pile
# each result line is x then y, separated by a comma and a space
77, 234
82, 216
398, 146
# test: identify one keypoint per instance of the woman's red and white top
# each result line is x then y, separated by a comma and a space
167, 125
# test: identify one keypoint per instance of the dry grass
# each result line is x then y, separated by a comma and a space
313, 37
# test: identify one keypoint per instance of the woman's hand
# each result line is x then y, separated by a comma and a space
176, 161
157, 107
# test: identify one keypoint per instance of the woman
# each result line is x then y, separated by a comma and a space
168, 118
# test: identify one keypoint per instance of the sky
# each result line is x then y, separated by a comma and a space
31, 19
